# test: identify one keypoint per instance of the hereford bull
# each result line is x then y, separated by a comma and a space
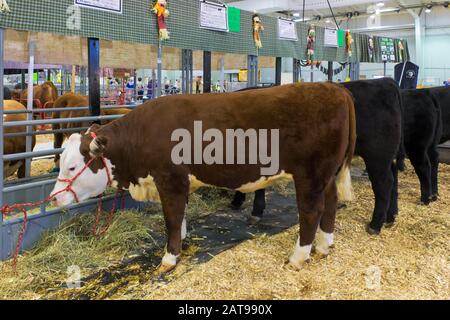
315, 124
72, 100
15, 144
379, 125
423, 132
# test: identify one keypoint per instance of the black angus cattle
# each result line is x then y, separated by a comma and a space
379, 142
422, 132
442, 95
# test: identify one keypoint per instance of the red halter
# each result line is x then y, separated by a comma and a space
72, 180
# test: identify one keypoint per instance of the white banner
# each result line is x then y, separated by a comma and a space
213, 16
106, 5
331, 38
287, 29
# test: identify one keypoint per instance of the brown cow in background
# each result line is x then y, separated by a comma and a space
72, 100
45, 93
15, 144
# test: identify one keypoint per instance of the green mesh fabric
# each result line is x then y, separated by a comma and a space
138, 24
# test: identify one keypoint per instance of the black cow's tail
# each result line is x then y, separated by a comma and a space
401, 155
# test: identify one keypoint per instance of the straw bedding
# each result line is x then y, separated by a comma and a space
412, 259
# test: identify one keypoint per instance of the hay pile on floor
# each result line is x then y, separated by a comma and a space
412, 257
44, 269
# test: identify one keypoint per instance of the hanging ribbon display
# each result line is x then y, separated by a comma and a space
160, 9
348, 43
257, 29
4, 6
311, 42
335, 71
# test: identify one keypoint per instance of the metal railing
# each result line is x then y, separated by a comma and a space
38, 188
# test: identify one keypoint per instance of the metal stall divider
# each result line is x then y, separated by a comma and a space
187, 71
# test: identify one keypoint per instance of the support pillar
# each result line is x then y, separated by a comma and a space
252, 71
330, 71
94, 76
296, 70
206, 71
187, 71
30, 95
278, 66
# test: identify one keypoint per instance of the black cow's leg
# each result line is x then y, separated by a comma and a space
433, 154
325, 237
382, 184
311, 205
238, 200
422, 167
259, 205
174, 196
393, 206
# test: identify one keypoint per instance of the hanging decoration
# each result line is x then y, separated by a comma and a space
371, 48
348, 43
311, 42
162, 13
4, 6
257, 29
336, 71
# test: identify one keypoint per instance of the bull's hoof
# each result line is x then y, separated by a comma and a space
164, 268
341, 206
425, 202
253, 220
434, 198
296, 266
372, 231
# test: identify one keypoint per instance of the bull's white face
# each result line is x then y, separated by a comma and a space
87, 185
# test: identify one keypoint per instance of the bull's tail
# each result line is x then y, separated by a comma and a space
344, 179
401, 155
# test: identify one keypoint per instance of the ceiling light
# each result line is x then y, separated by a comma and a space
428, 9
296, 14
372, 17
328, 21
378, 12
380, 4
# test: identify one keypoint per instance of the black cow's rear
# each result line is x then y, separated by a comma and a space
423, 131
442, 95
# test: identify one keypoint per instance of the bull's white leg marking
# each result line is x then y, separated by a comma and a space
184, 229
169, 259
300, 255
324, 242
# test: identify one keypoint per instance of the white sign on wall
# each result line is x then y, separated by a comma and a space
287, 29
331, 38
105, 5
213, 16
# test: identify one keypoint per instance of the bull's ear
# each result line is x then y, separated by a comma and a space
97, 146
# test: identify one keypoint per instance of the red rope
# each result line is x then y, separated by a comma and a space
7, 210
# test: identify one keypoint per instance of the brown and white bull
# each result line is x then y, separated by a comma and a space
317, 134
15, 144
